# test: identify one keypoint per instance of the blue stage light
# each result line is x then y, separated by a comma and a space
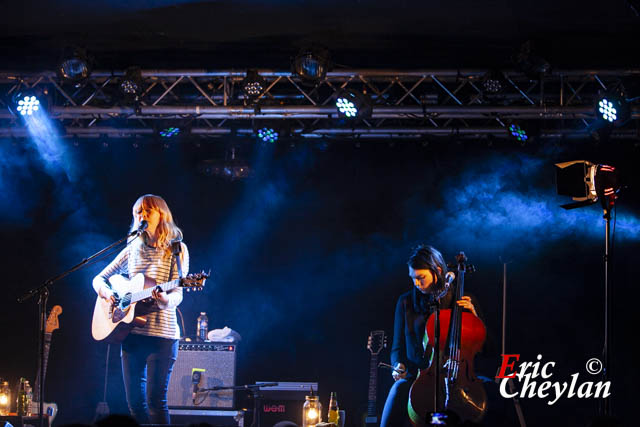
268, 135
28, 104
607, 110
312, 63
169, 132
518, 133
75, 66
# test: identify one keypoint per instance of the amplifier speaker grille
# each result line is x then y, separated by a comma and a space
218, 360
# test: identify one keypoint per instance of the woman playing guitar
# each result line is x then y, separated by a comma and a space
410, 351
150, 349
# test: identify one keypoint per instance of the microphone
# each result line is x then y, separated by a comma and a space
448, 280
143, 226
196, 376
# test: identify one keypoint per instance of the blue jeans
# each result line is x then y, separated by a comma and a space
147, 363
395, 412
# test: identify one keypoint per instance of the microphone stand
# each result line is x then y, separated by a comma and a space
42, 292
436, 354
255, 394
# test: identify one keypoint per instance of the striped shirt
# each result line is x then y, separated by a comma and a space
155, 264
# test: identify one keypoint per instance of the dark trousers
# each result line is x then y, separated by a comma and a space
147, 363
395, 413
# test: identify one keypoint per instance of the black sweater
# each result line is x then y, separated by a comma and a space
412, 312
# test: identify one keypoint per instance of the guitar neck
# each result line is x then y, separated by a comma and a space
373, 386
47, 345
146, 293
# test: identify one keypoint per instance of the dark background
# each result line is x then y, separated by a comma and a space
309, 254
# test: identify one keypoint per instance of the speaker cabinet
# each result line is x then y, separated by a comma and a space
284, 402
214, 364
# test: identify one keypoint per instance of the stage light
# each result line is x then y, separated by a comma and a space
586, 183
169, 132
131, 84
518, 133
230, 168
613, 108
607, 110
253, 84
311, 64
27, 105
346, 107
75, 66
352, 104
493, 82
529, 63
267, 134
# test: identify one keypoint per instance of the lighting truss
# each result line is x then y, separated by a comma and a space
405, 104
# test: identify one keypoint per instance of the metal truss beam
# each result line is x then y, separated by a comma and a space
406, 103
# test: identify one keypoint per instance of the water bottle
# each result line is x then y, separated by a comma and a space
203, 326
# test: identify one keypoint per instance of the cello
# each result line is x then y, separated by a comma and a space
458, 389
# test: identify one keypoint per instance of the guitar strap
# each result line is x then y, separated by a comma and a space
176, 249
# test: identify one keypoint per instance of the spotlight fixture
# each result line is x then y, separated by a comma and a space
311, 64
230, 168
131, 84
352, 104
529, 63
27, 104
75, 66
586, 182
493, 82
607, 110
253, 84
613, 109
518, 133
169, 132
267, 134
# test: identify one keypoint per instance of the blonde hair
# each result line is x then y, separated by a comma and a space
167, 230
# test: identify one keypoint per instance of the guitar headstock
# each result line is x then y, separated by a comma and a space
52, 320
194, 281
376, 342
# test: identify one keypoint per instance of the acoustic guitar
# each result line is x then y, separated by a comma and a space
113, 321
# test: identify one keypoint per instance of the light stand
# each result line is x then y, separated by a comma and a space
587, 182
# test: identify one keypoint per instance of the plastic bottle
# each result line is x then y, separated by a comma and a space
334, 414
202, 327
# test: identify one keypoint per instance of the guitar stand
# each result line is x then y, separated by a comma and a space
42, 292
254, 389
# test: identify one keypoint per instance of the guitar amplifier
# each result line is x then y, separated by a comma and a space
209, 364
284, 402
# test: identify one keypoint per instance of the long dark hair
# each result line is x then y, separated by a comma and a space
426, 257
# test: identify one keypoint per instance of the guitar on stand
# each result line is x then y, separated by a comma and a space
376, 342
51, 409
113, 321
